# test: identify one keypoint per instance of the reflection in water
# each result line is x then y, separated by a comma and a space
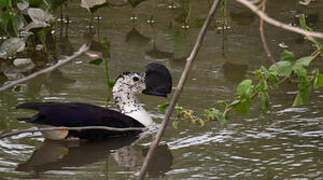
157, 54
239, 70
95, 46
243, 18
57, 155
134, 37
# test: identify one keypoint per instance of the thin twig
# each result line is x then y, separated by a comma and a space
179, 88
31, 130
274, 22
78, 53
262, 35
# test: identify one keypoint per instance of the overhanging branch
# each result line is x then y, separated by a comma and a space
61, 62
276, 23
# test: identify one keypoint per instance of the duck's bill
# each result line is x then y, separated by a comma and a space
158, 80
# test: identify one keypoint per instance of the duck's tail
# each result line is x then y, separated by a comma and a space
33, 106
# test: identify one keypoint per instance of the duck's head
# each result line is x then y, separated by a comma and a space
155, 81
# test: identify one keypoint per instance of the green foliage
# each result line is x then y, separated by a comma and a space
289, 67
304, 91
289, 64
163, 107
96, 61
15, 13
318, 80
7, 18
303, 24
186, 114
245, 89
213, 114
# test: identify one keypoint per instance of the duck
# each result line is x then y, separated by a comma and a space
155, 81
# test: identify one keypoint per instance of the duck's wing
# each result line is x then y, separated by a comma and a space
77, 115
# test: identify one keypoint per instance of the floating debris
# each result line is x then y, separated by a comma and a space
10, 47
282, 45
22, 62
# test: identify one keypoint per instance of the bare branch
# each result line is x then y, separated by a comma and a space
276, 23
31, 130
179, 88
262, 35
78, 53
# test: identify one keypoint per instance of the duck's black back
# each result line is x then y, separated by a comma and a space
76, 115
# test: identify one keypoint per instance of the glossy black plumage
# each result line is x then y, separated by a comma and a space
158, 80
77, 114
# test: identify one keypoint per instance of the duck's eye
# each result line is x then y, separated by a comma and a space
135, 79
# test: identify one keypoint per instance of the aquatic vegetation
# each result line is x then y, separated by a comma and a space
289, 68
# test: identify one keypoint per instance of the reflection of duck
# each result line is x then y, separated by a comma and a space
56, 155
155, 81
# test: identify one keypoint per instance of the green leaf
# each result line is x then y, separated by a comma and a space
242, 108
162, 107
235, 102
318, 81
303, 24
222, 103
304, 61
212, 114
175, 124
282, 68
300, 67
200, 121
274, 79
304, 91
245, 89
287, 56
265, 102
321, 48
258, 74
97, 61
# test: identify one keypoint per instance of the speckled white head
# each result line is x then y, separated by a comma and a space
155, 81
130, 82
126, 86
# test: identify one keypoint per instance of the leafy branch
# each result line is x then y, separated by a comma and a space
289, 68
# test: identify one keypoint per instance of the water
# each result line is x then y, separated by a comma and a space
285, 144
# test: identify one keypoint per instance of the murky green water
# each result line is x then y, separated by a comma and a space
285, 144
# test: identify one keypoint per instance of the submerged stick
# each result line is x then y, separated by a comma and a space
31, 130
61, 62
276, 23
179, 88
